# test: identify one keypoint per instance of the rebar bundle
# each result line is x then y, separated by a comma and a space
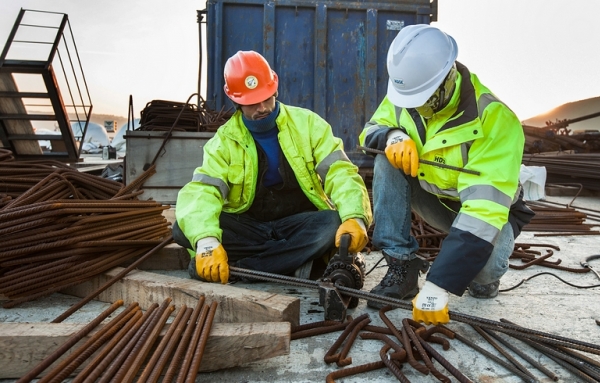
129, 347
562, 167
161, 115
60, 227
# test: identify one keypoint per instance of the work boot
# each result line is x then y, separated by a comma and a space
484, 291
401, 280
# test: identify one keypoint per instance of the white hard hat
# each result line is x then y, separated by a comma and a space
418, 60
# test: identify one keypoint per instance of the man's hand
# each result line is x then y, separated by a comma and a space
211, 261
358, 234
431, 305
403, 155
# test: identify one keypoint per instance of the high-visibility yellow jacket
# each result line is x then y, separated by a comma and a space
226, 180
475, 131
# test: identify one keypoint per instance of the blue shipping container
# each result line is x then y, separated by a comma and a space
330, 56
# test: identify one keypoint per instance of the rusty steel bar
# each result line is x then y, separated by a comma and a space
166, 347
105, 363
138, 182
578, 368
343, 359
378, 329
189, 354
309, 326
183, 343
391, 365
425, 357
325, 329
78, 272
344, 372
16, 278
330, 357
8, 224
410, 357
117, 367
574, 370
111, 281
523, 355
427, 334
530, 255
87, 372
199, 352
69, 343
83, 352
52, 245
502, 351
567, 233
398, 348
534, 261
493, 357
17, 273
441, 360
403, 337
578, 355
432, 163
551, 340
555, 348
147, 342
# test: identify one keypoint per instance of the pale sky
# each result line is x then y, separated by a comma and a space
533, 54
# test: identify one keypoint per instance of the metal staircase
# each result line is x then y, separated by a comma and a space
42, 89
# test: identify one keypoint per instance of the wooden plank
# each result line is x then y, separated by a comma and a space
25, 345
235, 304
246, 342
170, 257
10, 105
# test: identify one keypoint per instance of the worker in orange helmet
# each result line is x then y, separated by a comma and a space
275, 190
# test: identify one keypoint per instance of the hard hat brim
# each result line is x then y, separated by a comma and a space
413, 100
257, 96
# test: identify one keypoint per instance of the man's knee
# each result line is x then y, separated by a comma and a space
331, 218
179, 237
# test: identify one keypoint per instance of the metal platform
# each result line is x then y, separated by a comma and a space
42, 89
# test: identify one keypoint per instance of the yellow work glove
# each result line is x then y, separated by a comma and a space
402, 153
431, 305
358, 234
211, 261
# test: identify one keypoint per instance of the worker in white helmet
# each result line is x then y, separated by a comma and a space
437, 110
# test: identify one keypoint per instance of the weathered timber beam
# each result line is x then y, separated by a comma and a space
170, 257
25, 345
235, 304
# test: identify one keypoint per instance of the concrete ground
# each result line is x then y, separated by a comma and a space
542, 303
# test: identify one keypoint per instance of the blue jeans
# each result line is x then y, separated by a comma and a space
394, 194
278, 247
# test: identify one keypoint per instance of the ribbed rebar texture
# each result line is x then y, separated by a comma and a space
130, 348
60, 227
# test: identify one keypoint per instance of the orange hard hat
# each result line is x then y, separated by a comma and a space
249, 79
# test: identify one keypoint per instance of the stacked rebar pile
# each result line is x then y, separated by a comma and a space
161, 115
581, 168
60, 227
560, 220
548, 139
129, 347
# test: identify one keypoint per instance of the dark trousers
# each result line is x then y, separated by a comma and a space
279, 246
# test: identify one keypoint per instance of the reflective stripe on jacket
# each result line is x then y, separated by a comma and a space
474, 131
226, 180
